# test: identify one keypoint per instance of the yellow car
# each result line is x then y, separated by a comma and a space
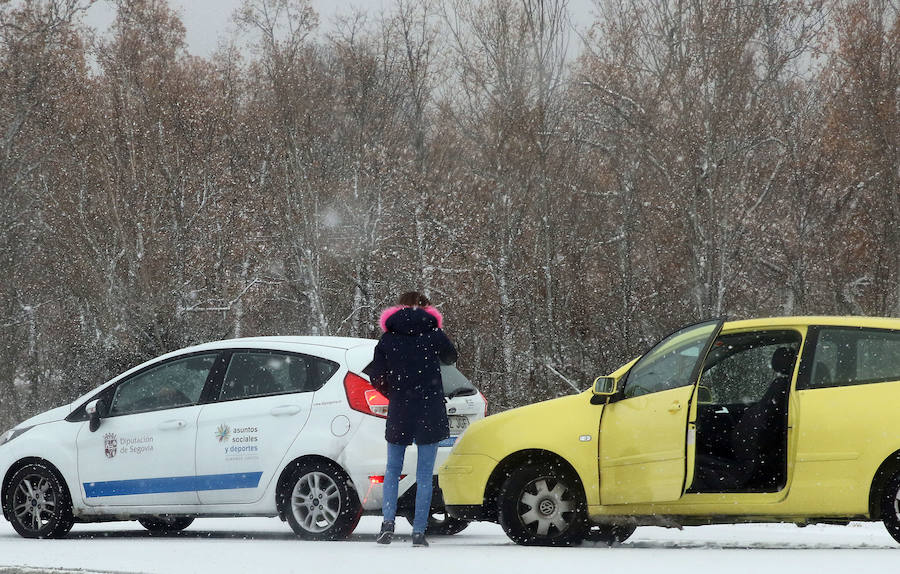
793, 419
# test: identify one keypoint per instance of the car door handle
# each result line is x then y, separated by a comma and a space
675, 407
285, 410
172, 425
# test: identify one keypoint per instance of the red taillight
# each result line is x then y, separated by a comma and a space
377, 402
485, 402
379, 478
363, 397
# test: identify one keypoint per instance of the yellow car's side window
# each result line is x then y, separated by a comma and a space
849, 356
672, 363
738, 368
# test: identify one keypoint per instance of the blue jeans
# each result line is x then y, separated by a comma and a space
424, 471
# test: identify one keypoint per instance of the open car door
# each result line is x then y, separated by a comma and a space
643, 432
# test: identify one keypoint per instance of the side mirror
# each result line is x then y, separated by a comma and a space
605, 387
96, 409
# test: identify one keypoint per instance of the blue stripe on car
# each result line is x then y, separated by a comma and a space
172, 484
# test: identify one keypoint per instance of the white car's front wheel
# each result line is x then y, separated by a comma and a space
38, 503
320, 502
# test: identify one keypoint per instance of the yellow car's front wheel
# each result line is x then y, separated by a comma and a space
543, 505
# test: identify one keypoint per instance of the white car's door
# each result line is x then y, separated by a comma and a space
143, 452
258, 410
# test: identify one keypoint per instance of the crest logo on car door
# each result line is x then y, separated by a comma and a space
223, 432
110, 444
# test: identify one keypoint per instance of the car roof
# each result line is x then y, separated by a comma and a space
331, 342
341, 343
824, 320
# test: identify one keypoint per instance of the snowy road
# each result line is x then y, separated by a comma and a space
254, 545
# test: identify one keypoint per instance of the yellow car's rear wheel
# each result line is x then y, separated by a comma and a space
890, 506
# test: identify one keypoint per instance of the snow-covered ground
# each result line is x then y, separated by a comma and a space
257, 545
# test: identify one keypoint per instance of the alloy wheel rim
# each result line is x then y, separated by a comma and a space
316, 502
897, 504
34, 502
545, 507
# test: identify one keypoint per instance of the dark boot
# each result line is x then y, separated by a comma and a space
419, 539
387, 532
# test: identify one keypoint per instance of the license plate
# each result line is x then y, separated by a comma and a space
457, 423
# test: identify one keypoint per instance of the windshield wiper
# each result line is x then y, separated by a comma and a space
460, 392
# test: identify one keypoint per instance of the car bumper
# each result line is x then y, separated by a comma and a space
5, 462
371, 494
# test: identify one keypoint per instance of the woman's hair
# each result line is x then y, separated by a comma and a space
413, 299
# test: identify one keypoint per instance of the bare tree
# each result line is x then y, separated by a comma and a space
40, 53
697, 86
288, 68
863, 129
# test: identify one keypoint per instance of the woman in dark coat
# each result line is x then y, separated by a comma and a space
407, 369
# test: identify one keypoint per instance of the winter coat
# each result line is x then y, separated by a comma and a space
406, 368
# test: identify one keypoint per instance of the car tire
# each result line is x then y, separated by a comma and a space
890, 506
168, 525
611, 534
543, 505
441, 524
39, 504
320, 503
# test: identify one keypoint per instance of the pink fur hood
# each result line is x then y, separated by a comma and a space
385, 315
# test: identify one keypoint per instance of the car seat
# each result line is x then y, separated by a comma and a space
262, 382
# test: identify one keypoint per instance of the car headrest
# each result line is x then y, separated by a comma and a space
783, 360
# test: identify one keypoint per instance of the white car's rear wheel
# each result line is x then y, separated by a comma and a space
39, 503
320, 504
441, 524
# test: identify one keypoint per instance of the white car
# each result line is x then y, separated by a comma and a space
267, 426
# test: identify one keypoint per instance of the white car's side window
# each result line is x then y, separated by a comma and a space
257, 374
173, 384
